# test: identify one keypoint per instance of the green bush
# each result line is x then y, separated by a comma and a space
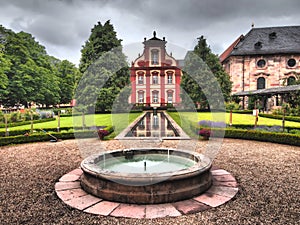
279, 117
241, 111
2, 120
27, 116
42, 136
26, 122
15, 117
232, 106
274, 137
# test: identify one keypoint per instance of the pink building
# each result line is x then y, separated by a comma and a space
155, 76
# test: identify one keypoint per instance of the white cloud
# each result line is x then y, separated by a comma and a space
63, 26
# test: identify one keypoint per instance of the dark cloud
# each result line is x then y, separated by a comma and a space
64, 25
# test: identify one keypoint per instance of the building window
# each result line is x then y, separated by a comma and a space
154, 79
170, 79
141, 79
155, 96
261, 63
291, 62
141, 97
261, 83
154, 57
170, 97
291, 80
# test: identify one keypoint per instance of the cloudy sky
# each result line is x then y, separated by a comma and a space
63, 26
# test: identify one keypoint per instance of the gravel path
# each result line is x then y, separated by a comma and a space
268, 176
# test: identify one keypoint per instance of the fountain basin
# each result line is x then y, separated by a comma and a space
169, 175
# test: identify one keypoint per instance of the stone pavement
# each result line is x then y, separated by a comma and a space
68, 189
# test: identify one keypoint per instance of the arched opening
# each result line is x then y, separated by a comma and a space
261, 83
291, 80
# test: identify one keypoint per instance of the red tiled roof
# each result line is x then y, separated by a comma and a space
227, 52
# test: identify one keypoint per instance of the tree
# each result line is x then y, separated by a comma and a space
103, 38
31, 77
4, 68
104, 68
203, 63
67, 74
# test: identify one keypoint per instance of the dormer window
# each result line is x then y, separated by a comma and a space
258, 45
273, 35
154, 57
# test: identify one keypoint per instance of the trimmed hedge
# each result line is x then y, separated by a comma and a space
27, 122
279, 117
250, 134
274, 137
41, 136
241, 111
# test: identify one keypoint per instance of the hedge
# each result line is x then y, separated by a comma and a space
274, 137
279, 117
257, 135
41, 136
241, 111
26, 122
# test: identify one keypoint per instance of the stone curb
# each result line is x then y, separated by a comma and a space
68, 189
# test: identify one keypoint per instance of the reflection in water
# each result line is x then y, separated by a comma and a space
153, 125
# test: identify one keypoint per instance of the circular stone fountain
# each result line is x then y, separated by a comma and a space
146, 176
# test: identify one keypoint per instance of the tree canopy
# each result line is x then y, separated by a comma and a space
104, 70
202, 68
28, 74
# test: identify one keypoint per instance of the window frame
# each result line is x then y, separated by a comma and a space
155, 96
258, 84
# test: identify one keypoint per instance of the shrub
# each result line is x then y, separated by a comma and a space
274, 137
26, 122
232, 106
279, 117
205, 133
27, 116
102, 133
14, 117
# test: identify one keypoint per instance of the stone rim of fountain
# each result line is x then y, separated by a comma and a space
148, 188
107, 174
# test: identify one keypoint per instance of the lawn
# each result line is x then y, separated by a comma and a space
120, 121
246, 119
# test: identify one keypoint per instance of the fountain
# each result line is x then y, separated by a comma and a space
146, 176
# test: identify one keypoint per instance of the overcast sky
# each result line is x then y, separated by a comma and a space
63, 26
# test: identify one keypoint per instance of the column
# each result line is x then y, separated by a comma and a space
133, 86
177, 86
162, 88
148, 100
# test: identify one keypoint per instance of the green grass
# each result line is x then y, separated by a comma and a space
246, 119
120, 121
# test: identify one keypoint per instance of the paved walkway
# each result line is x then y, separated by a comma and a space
69, 190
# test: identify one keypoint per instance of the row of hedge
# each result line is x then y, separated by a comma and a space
257, 135
26, 122
274, 137
279, 117
41, 136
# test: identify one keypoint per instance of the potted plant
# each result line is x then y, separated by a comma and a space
205, 133
102, 133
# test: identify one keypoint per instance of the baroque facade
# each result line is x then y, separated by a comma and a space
263, 58
155, 76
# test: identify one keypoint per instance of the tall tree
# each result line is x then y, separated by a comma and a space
104, 68
67, 74
103, 38
32, 78
4, 69
207, 65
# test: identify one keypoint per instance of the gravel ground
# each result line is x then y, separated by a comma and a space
268, 176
